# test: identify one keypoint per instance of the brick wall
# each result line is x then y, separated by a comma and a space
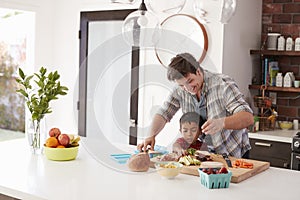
283, 16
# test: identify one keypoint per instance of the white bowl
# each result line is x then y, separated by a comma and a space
168, 170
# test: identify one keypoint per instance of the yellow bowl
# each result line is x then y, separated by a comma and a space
168, 170
61, 154
285, 125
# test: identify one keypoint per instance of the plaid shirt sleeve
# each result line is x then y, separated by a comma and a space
170, 106
234, 98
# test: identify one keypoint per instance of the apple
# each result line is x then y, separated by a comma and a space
54, 132
64, 139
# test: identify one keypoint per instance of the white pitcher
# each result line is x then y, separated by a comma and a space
288, 79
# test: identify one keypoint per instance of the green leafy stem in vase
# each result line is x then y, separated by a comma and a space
47, 88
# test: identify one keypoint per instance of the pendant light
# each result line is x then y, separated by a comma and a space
229, 7
123, 1
214, 10
168, 7
141, 28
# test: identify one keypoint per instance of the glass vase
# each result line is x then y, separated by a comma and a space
36, 135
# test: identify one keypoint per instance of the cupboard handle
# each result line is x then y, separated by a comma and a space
263, 144
298, 157
132, 122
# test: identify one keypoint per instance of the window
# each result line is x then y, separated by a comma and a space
16, 50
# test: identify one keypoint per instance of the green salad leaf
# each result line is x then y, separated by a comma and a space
191, 151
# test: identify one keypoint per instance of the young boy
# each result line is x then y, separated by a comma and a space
190, 128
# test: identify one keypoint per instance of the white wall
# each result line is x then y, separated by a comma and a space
57, 44
242, 34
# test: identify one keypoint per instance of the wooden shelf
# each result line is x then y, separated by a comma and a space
274, 53
277, 89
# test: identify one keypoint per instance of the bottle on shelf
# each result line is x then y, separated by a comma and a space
281, 43
288, 79
279, 80
297, 44
289, 44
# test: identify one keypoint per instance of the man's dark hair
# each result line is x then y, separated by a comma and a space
181, 65
191, 117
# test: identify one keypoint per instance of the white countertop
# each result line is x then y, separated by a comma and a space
277, 135
27, 176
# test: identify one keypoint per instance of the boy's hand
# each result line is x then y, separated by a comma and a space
180, 152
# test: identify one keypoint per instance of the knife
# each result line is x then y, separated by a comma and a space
201, 137
228, 161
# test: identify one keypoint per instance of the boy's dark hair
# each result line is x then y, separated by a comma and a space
181, 65
191, 117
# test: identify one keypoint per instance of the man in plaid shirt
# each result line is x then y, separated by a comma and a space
215, 97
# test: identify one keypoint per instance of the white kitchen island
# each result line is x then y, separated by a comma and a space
26, 176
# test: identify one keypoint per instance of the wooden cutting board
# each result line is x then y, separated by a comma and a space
238, 174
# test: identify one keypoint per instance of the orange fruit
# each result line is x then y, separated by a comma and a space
52, 142
60, 146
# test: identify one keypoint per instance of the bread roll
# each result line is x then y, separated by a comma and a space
139, 162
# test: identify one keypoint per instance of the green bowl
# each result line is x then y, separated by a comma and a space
61, 154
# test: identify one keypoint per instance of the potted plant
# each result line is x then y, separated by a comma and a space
37, 97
